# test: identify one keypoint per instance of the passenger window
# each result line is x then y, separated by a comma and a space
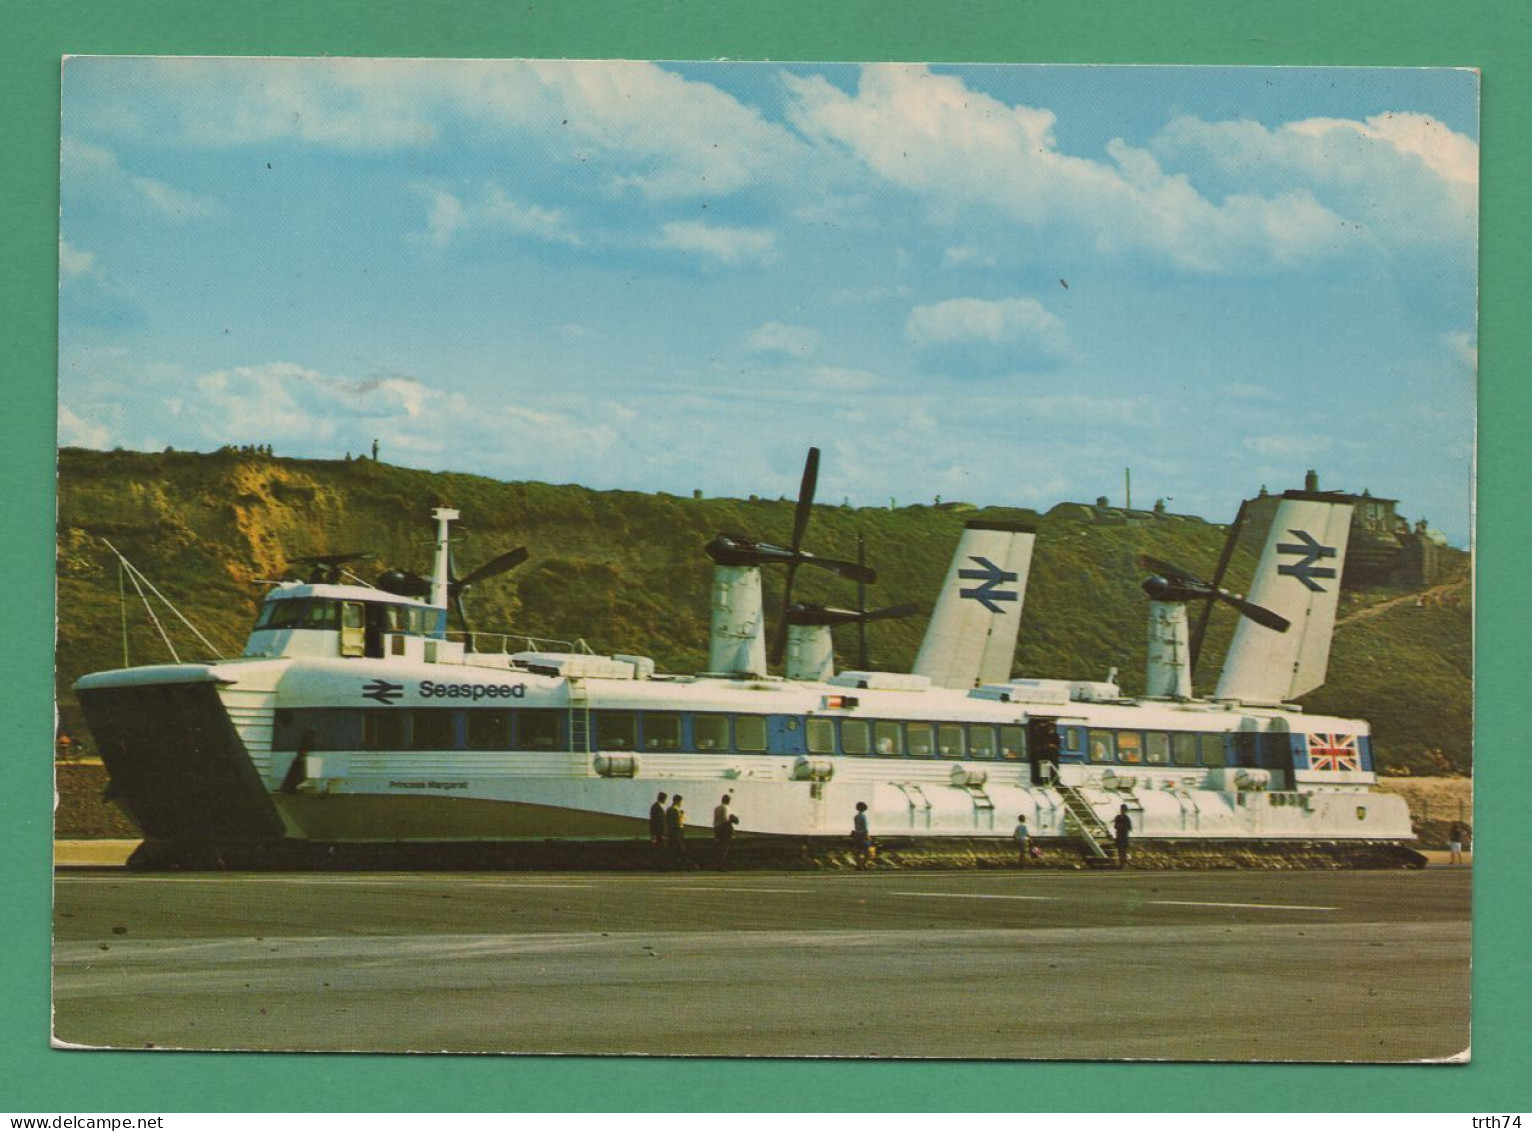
854, 737
489, 730
922, 745
1101, 747
385, 730
1130, 747
616, 730
537, 730
1071, 736
949, 740
820, 734
711, 732
1157, 747
887, 740
662, 732
1183, 749
435, 730
750, 732
981, 741
1013, 743
1213, 750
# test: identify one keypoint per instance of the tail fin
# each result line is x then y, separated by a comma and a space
972, 635
1298, 577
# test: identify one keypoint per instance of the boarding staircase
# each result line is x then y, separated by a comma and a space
1080, 818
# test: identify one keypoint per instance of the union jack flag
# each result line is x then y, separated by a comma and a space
1334, 752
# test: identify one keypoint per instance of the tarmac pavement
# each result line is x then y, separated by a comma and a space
1309, 966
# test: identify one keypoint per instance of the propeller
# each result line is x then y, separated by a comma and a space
326, 567
1172, 583
456, 587
406, 583
739, 550
807, 614
1231, 540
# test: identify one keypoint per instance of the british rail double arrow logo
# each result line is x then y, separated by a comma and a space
992, 576
1309, 551
381, 691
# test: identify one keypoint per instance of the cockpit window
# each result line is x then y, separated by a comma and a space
321, 614
324, 613
281, 614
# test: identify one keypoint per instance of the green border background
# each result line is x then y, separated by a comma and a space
1489, 34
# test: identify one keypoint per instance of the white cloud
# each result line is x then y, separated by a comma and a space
306, 412
955, 148
1402, 179
490, 210
725, 244
76, 432
1019, 322
777, 337
646, 128
74, 263
966, 255
95, 171
1449, 155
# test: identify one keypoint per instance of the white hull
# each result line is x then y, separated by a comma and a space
353, 794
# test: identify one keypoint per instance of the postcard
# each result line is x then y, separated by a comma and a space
766, 560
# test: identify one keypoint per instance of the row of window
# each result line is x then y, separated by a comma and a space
889, 739
542, 729
1153, 747
532, 729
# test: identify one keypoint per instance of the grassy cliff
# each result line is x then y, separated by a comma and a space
625, 572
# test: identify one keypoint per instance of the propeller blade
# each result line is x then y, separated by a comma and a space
806, 614
327, 566
1171, 573
805, 498
822, 614
737, 550
1261, 616
492, 568
852, 571
801, 516
1231, 540
892, 612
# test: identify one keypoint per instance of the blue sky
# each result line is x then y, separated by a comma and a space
998, 284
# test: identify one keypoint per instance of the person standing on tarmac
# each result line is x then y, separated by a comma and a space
657, 830
1023, 837
861, 837
675, 825
1122, 825
723, 831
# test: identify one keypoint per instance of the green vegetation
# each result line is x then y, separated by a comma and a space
625, 572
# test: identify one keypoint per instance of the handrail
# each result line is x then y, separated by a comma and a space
471, 640
1091, 827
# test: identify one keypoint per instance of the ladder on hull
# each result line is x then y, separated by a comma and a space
579, 718
1081, 818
